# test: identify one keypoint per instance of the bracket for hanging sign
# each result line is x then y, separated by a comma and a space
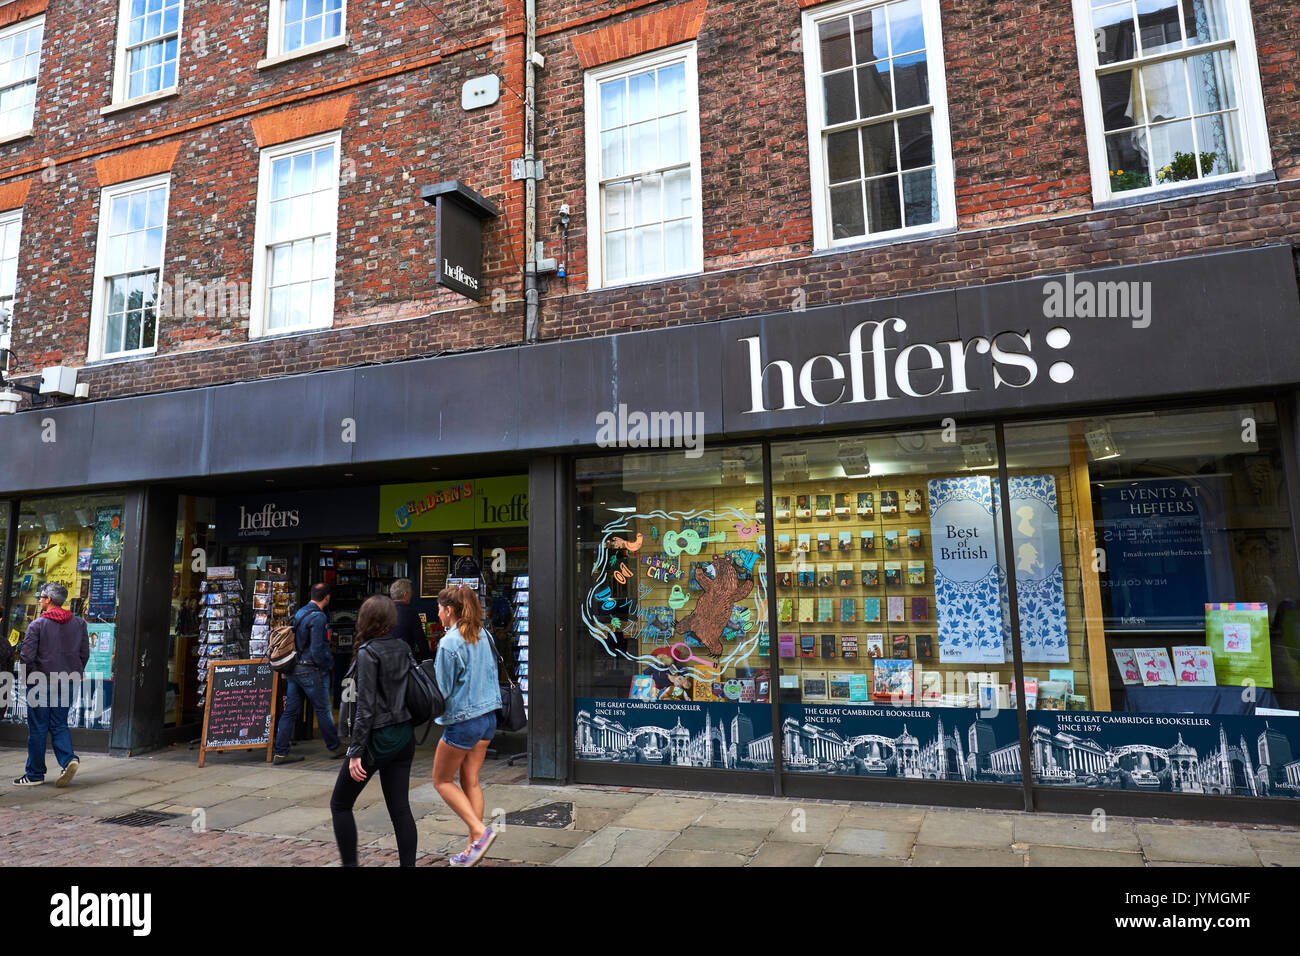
459, 250
527, 169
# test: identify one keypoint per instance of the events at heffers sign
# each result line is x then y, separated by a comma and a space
941, 743
1171, 753
729, 736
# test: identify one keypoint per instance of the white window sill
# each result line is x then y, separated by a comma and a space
301, 52
120, 357
1195, 188
140, 101
645, 280
887, 239
14, 137
283, 333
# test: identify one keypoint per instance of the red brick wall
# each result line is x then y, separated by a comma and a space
1019, 150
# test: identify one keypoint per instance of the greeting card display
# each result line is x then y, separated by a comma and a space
1127, 663
1194, 666
1155, 667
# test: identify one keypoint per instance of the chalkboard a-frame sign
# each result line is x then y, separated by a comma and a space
239, 707
459, 248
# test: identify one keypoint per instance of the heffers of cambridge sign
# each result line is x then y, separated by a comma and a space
880, 364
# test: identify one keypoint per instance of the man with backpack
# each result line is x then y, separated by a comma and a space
309, 677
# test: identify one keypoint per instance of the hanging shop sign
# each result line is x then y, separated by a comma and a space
304, 514
459, 249
472, 504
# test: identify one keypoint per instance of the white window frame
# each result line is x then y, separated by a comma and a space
942, 139
1257, 157
99, 297
275, 35
121, 74
7, 218
21, 27
258, 304
681, 53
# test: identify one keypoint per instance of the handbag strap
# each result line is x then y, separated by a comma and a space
501, 664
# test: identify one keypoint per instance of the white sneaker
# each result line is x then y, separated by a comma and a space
69, 772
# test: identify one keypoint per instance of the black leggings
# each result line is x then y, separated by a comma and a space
395, 778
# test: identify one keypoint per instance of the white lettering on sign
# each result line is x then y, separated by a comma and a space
266, 519
876, 370
459, 274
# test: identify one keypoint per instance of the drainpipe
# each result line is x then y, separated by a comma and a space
530, 177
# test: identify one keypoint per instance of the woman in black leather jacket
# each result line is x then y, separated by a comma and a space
380, 727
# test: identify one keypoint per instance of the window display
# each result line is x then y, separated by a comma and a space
918, 582
1151, 558
1186, 601
673, 665
77, 542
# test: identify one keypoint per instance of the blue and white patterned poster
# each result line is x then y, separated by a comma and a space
1036, 551
966, 586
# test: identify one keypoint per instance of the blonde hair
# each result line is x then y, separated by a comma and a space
469, 613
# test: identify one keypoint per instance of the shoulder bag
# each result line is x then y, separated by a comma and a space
512, 715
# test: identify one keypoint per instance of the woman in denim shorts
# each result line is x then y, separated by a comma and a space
467, 676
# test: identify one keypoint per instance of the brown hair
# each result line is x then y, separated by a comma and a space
377, 617
469, 613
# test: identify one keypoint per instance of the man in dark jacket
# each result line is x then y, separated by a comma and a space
408, 626
310, 677
53, 655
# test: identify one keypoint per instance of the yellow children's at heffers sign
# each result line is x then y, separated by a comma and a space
1238, 637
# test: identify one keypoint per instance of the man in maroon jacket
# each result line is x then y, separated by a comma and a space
54, 655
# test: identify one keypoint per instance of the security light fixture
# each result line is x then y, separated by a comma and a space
1101, 443
853, 459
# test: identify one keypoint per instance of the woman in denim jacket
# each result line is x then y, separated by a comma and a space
467, 676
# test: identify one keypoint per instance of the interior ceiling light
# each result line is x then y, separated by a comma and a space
853, 459
1101, 443
796, 466
978, 454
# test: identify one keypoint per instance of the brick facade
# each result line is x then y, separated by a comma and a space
1023, 189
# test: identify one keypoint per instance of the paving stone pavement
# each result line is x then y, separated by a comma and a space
240, 811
